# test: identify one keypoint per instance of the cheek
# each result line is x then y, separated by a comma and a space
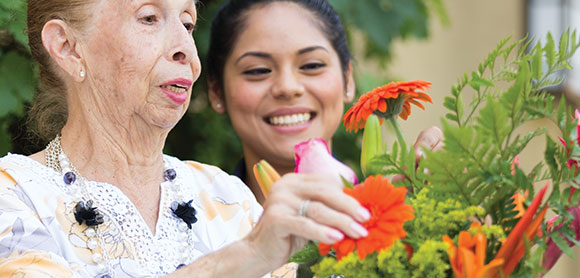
125, 55
243, 97
329, 90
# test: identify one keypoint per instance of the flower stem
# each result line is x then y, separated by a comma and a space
399, 133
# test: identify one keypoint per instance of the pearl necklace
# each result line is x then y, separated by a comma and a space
92, 217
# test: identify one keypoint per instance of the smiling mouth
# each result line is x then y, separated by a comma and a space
175, 88
291, 119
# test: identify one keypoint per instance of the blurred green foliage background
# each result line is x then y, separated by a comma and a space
202, 134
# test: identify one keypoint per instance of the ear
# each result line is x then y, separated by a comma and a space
216, 97
350, 85
61, 45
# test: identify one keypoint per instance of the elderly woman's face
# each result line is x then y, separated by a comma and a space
141, 59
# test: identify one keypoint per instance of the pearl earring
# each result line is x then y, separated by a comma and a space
218, 106
82, 73
348, 94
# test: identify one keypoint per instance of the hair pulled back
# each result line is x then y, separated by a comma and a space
48, 113
230, 21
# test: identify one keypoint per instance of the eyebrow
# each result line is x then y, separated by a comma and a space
268, 56
310, 49
255, 54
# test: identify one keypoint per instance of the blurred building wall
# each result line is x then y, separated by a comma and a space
476, 28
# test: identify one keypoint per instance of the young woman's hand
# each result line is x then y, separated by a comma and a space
430, 138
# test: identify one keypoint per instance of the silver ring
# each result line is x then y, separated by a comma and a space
304, 208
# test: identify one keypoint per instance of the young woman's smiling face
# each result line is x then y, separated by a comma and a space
283, 82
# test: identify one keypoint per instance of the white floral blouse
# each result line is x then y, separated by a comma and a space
39, 236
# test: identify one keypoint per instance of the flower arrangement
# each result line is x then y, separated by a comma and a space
467, 210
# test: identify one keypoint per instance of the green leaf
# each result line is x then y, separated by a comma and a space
12, 5
494, 122
561, 113
16, 82
8, 102
452, 117
549, 50
562, 244
5, 138
537, 62
549, 155
563, 47
307, 254
346, 183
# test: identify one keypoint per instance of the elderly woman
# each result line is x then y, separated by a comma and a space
102, 200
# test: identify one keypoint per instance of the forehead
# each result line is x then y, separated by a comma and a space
284, 21
188, 4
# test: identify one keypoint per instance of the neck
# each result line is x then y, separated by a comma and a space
123, 153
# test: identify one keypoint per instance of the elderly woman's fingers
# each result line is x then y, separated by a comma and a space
323, 189
323, 215
307, 228
317, 199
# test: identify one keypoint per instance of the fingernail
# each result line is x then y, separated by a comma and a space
363, 214
335, 235
360, 230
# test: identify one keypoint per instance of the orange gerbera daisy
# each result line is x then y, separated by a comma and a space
386, 203
393, 99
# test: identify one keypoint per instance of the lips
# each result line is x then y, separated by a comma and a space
177, 89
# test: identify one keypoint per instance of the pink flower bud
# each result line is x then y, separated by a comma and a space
313, 156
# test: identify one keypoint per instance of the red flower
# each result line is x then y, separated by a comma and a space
513, 248
573, 161
393, 99
386, 204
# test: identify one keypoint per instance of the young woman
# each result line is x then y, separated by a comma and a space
282, 71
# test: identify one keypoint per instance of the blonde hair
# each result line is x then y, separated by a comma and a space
48, 113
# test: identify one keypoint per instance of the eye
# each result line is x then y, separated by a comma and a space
257, 71
312, 66
149, 20
190, 27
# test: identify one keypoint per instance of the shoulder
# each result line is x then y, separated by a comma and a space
12, 168
25, 182
22, 167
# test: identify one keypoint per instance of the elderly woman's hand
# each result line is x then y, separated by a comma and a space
303, 207
299, 207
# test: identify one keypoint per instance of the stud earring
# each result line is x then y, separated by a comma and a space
218, 106
82, 73
348, 94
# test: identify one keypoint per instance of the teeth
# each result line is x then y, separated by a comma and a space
175, 89
293, 119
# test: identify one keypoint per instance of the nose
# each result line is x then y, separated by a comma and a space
182, 47
287, 85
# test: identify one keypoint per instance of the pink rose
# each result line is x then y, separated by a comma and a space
313, 156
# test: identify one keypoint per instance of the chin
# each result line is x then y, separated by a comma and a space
166, 122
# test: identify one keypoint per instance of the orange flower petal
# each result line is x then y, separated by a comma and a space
374, 100
386, 203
